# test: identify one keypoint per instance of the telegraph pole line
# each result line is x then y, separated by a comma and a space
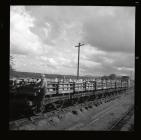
79, 44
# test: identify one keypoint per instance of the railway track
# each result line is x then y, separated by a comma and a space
123, 120
32, 119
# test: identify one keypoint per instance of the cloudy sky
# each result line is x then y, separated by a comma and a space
43, 39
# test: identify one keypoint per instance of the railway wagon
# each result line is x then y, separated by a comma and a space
25, 96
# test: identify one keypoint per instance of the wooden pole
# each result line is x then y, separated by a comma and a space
78, 59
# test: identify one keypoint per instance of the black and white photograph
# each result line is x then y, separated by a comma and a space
72, 68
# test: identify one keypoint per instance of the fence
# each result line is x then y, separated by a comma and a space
73, 87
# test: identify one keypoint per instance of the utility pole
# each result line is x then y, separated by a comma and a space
131, 75
79, 44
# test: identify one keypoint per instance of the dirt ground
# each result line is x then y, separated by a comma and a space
99, 118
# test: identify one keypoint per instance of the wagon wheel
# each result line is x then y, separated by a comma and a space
75, 101
89, 98
81, 100
58, 105
86, 99
96, 99
92, 98
72, 101
49, 107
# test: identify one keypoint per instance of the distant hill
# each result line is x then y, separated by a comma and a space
18, 74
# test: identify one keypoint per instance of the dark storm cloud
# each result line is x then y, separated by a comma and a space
112, 33
107, 28
114, 59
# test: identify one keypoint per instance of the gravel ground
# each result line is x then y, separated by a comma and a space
129, 126
95, 118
